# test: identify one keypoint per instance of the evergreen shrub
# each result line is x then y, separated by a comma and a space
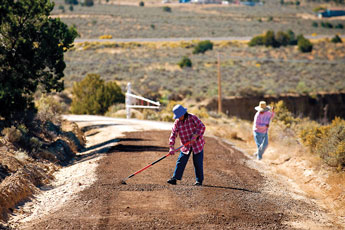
167, 9
304, 45
71, 2
339, 26
203, 46
257, 41
88, 3
185, 62
336, 39
94, 96
282, 38
270, 39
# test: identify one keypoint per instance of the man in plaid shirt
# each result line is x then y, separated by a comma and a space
191, 131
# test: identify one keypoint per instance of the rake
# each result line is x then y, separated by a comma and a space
139, 171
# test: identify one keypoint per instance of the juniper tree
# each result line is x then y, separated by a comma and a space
32, 46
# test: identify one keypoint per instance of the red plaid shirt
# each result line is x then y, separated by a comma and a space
186, 129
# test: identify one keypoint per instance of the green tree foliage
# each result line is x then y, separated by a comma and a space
336, 39
270, 40
257, 41
203, 46
93, 96
304, 45
302, 88
282, 38
32, 47
292, 38
88, 3
185, 62
71, 2
167, 9
327, 25
62, 8
339, 26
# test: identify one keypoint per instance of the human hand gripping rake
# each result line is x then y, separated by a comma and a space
139, 171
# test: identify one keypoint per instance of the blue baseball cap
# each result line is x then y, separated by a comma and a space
179, 111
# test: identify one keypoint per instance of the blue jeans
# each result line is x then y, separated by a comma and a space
261, 140
198, 165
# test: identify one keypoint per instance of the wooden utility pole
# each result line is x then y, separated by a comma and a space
219, 87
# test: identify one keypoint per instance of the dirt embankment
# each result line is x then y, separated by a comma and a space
317, 107
22, 172
237, 193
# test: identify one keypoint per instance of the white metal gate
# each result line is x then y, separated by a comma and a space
134, 101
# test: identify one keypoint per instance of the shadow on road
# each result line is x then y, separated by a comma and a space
90, 127
104, 148
92, 134
138, 148
109, 142
232, 188
100, 145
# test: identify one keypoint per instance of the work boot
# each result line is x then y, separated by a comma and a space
171, 181
198, 183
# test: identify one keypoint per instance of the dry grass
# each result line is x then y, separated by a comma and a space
126, 19
243, 68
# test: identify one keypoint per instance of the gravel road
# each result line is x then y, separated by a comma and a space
237, 192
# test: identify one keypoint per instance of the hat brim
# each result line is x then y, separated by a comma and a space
177, 117
258, 108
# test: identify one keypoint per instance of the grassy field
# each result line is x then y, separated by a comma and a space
190, 20
153, 68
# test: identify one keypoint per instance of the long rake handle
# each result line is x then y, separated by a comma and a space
139, 171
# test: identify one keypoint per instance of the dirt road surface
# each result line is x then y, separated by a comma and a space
238, 193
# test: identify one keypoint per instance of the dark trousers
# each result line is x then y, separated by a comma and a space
181, 163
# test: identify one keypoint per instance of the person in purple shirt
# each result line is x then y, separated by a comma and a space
261, 124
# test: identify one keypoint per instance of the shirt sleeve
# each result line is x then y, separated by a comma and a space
173, 134
200, 127
272, 115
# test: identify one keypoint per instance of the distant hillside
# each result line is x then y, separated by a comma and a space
153, 69
191, 20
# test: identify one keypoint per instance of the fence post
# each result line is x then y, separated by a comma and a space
128, 101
